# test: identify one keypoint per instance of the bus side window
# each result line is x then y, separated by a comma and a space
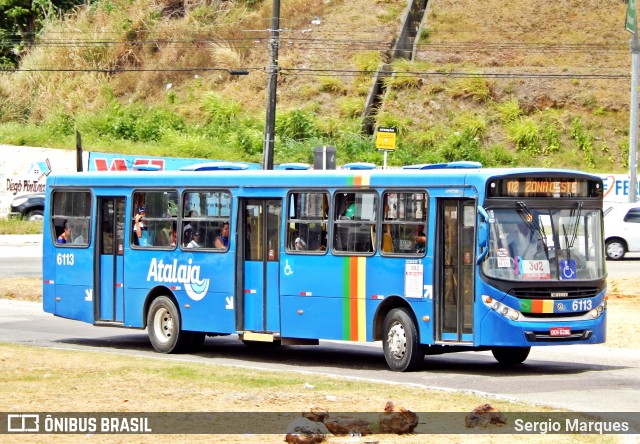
404, 224
205, 214
157, 219
354, 222
307, 222
71, 209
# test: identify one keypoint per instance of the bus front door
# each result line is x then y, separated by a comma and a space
109, 300
259, 244
456, 234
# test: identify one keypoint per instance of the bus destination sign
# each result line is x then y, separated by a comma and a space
544, 187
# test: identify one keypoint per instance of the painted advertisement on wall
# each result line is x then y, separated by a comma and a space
24, 170
126, 162
617, 186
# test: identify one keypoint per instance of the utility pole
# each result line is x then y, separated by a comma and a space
632, 26
270, 124
633, 126
78, 151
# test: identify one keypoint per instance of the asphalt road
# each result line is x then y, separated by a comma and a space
581, 378
20, 256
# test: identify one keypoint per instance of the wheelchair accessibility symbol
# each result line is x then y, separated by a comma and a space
288, 271
568, 268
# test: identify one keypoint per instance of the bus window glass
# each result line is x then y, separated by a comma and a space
355, 221
274, 216
548, 245
253, 242
404, 223
205, 222
307, 221
154, 218
71, 218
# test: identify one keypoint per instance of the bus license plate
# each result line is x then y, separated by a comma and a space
559, 331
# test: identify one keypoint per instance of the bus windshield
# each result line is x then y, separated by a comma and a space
545, 244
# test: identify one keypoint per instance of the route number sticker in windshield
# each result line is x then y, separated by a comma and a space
536, 269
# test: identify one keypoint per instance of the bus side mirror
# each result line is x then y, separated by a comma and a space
483, 234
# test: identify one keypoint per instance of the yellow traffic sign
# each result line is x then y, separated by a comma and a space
386, 139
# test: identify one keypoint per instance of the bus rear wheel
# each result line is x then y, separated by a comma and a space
402, 350
163, 324
510, 355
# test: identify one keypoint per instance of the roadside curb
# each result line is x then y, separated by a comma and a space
20, 240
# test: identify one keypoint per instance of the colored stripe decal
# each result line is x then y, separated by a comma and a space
354, 326
346, 308
354, 273
359, 180
362, 299
353, 298
537, 306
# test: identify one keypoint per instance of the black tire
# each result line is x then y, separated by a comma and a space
510, 355
163, 326
35, 215
402, 351
615, 249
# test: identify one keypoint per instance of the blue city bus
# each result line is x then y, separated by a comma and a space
428, 260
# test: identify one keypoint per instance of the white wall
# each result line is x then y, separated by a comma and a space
24, 170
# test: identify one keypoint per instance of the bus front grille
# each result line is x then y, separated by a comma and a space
555, 293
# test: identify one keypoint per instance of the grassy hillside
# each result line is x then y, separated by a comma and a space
507, 84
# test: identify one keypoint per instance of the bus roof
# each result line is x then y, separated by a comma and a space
249, 178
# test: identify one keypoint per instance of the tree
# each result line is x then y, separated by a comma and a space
20, 21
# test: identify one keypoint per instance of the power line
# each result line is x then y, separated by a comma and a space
326, 43
458, 74
232, 71
307, 72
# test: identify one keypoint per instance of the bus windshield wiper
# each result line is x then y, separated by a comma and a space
574, 229
532, 223
576, 223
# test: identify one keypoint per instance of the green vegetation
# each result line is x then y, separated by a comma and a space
162, 83
19, 226
525, 134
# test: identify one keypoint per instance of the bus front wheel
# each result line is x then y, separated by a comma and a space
402, 350
510, 355
163, 323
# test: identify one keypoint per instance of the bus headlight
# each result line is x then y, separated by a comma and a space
597, 312
501, 308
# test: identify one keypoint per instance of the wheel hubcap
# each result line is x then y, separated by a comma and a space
397, 341
615, 250
163, 325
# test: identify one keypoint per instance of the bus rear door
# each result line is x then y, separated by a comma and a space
109, 302
258, 286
